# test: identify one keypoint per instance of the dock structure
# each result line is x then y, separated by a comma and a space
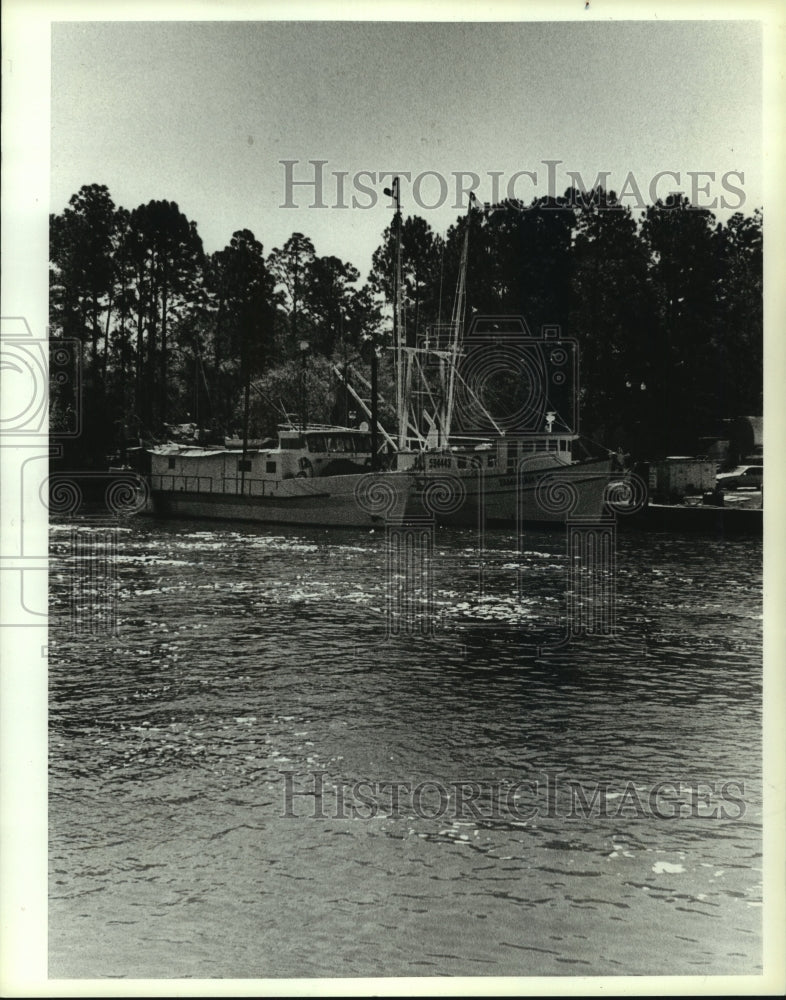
703, 518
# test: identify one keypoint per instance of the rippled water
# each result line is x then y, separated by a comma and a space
249, 660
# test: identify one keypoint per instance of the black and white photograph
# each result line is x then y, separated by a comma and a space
390, 605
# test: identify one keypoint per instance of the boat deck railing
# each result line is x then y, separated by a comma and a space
229, 485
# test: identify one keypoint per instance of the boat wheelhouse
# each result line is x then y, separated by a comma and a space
314, 452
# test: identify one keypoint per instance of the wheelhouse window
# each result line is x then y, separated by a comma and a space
171, 463
292, 443
316, 442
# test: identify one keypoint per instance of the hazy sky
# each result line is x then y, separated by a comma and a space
202, 113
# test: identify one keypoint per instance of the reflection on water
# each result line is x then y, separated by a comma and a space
249, 657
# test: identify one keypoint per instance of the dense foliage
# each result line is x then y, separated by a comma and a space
667, 310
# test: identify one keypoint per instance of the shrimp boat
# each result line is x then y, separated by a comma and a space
510, 483
515, 458
488, 418
495, 472
487, 434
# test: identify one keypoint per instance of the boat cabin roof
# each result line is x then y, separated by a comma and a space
315, 438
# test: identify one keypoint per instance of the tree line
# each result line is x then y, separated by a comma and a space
666, 308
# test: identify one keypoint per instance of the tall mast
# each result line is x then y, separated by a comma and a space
398, 332
456, 325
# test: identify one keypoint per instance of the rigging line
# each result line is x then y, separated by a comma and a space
457, 322
364, 406
287, 417
598, 444
418, 435
425, 382
269, 401
204, 380
383, 402
480, 403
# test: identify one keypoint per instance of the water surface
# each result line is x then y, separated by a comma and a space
249, 660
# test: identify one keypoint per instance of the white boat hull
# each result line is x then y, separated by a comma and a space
545, 496
541, 496
330, 501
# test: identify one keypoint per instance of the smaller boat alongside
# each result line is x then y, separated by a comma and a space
319, 475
